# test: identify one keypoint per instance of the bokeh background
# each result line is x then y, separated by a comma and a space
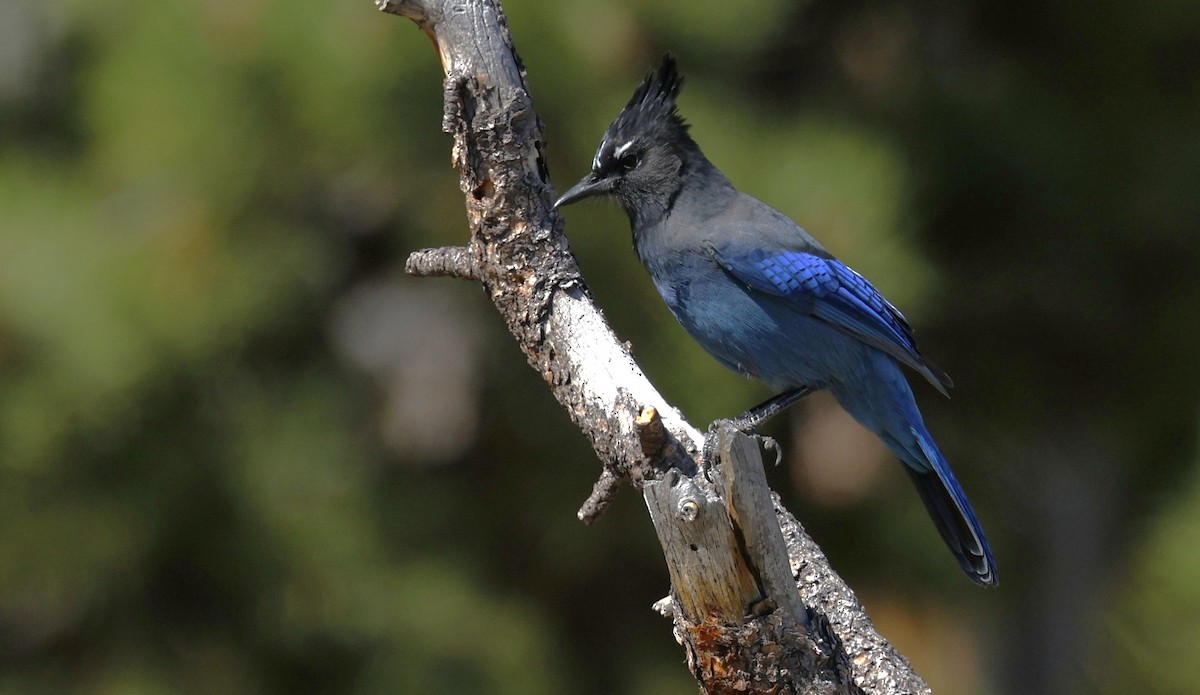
240, 452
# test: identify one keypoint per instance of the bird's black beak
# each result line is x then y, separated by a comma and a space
591, 185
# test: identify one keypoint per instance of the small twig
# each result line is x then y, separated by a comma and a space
665, 607
446, 261
653, 436
660, 452
661, 449
414, 11
602, 493
651, 432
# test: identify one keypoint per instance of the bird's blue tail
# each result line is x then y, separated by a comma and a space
950, 510
886, 406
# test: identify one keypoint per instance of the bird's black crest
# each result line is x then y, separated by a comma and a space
654, 101
649, 115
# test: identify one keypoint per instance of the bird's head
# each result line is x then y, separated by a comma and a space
641, 157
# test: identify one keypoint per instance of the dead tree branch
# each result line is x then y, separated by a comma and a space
754, 601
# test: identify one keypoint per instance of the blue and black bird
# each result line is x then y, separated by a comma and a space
766, 300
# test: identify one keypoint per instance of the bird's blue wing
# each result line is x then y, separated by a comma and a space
828, 289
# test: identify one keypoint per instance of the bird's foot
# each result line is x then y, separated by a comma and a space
710, 441
749, 421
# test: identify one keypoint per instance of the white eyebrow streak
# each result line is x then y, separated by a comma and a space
596, 159
621, 149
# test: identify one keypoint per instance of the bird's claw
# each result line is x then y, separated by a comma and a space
769, 443
710, 439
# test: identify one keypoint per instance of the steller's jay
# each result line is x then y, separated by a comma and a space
767, 301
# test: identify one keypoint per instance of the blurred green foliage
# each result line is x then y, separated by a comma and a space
239, 452
1155, 621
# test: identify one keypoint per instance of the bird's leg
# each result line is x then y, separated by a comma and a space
750, 420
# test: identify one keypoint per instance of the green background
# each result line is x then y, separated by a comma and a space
241, 452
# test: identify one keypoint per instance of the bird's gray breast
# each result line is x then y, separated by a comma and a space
711, 308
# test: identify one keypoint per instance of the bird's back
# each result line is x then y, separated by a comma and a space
749, 222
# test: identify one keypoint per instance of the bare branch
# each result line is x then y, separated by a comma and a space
447, 261
602, 493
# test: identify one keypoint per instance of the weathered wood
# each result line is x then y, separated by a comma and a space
748, 498
737, 610
746, 628
708, 570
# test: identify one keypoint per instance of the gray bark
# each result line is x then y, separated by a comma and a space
753, 600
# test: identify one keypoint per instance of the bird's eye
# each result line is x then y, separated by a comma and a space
629, 162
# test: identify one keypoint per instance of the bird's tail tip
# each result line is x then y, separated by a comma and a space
953, 516
981, 569
956, 523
